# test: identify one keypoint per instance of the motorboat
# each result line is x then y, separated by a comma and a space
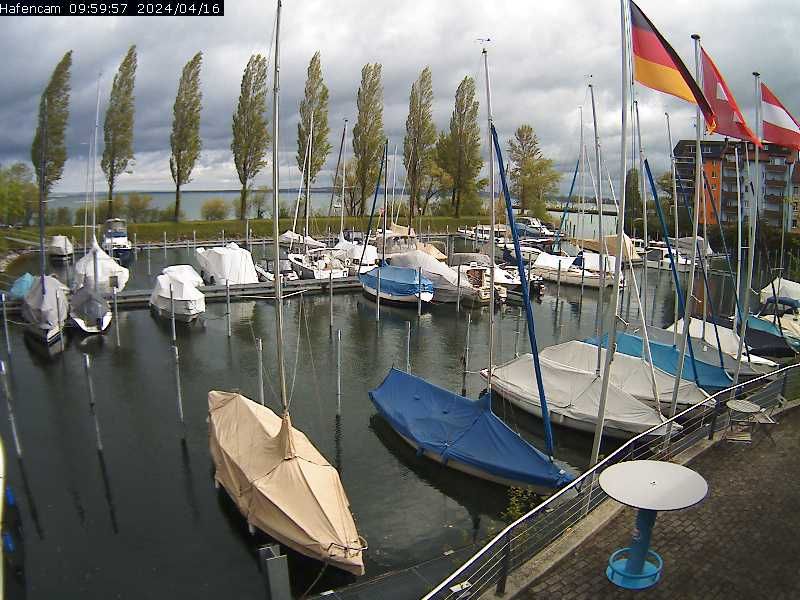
318, 263
60, 249
116, 242
176, 289
397, 284
228, 264
266, 268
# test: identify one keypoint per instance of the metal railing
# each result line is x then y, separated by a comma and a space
533, 532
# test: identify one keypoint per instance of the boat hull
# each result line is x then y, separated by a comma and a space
180, 315
386, 297
86, 328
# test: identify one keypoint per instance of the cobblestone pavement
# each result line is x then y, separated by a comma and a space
743, 541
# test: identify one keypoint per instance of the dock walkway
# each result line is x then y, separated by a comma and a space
741, 542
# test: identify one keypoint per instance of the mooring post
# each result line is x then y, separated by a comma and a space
223, 237
378, 298
419, 291
408, 346
188, 251
165, 245
260, 357
194, 239
338, 372
92, 407
458, 292
11, 419
135, 245
60, 322
172, 313
116, 315
275, 571
517, 332
178, 390
148, 257
228, 305
5, 324
330, 297
466, 358
558, 281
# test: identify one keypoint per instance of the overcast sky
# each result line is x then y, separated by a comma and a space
541, 54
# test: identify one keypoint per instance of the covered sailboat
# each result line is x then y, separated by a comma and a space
463, 434
629, 373
448, 286
89, 310
110, 274
280, 482
290, 238
177, 287
728, 340
397, 284
60, 248
228, 264
44, 309
357, 257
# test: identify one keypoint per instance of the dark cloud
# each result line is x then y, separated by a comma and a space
540, 57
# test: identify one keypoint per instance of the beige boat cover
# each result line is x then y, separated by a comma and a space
628, 248
433, 251
280, 482
401, 229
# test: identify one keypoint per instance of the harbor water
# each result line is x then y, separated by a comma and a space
143, 519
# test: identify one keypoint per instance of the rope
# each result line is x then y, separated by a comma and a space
296, 354
304, 595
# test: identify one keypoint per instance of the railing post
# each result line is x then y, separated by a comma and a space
505, 565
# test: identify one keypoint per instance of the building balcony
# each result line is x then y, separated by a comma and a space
775, 168
775, 183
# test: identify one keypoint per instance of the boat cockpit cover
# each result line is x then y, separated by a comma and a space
709, 377
89, 305
280, 482
110, 273
290, 237
439, 273
397, 281
551, 261
229, 263
354, 250
453, 427
46, 310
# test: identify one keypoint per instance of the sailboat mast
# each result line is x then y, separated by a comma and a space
599, 314
675, 212
336, 172
643, 192
343, 152
698, 180
738, 235
94, 159
42, 201
308, 183
492, 221
275, 213
612, 335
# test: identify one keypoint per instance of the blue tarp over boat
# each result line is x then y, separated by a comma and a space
21, 286
453, 428
709, 377
397, 281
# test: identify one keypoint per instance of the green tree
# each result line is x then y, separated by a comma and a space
63, 216
18, 193
48, 151
214, 209
185, 139
459, 154
368, 134
351, 198
533, 176
118, 125
258, 201
250, 135
418, 145
314, 107
137, 207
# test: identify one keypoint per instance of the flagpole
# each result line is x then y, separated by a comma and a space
612, 335
687, 316
675, 212
601, 240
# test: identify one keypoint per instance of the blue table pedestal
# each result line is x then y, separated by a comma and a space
637, 567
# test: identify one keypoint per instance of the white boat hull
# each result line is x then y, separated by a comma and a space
92, 329
406, 299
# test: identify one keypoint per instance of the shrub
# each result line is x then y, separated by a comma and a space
215, 209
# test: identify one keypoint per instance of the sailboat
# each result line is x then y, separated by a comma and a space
464, 434
448, 285
60, 249
273, 473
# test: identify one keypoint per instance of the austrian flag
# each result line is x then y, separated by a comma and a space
778, 125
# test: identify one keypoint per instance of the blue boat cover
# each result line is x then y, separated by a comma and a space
453, 427
709, 377
785, 300
397, 281
21, 287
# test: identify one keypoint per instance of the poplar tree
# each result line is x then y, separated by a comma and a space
250, 136
54, 103
420, 139
314, 105
118, 125
368, 134
532, 175
459, 153
185, 139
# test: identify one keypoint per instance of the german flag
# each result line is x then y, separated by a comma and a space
657, 65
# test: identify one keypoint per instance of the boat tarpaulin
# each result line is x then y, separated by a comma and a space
230, 264
629, 373
551, 261
573, 393
60, 246
280, 482
709, 377
728, 339
110, 273
782, 287
439, 273
452, 427
628, 249
397, 281
183, 281
49, 309
290, 237
354, 250
21, 286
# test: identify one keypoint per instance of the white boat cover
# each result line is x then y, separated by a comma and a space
290, 237
109, 271
686, 245
591, 261
184, 281
574, 393
230, 264
728, 339
280, 482
439, 273
353, 251
60, 246
46, 310
629, 373
783, 287
551, 261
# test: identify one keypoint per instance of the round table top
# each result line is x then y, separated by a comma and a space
653, 485
743, 406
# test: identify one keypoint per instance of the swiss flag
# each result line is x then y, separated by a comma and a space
730, 121
779, 126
